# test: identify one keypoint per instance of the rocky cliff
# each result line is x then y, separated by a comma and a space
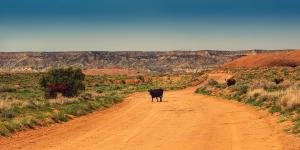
166, 61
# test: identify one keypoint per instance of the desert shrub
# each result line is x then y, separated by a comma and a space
241, 89
7, 89
96, 104
260, 100
221, 86
59, 117
261, 84
256, 95
66, 81
286, 72
13, 125
290, 99
296, 128
250, 101
202, 90
212, 82
71, 109
116, 98
278, 80
3, 130
142, 78
40, 115
274, 109
9, 113
116, 87
87, 96
263, 94
78, 109
28, 123
263, 98
239, 92
113, 97
273, 88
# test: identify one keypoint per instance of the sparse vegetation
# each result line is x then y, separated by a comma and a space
276, 89
23, 103
212, 82
203, 90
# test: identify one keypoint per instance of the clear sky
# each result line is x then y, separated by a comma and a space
63, 25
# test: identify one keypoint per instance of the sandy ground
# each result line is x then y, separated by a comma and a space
183, 121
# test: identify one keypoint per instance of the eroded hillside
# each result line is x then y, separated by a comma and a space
289, 58
169, 61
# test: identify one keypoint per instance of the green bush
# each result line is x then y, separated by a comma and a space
3, 130
66, 81
274, 109
29, 123
274, 88
242, 89
7, 89
203, 91
87, 96
212, 82
8, 113
72, 109
13, 126
59, 117
96, 104
296, 128
221, 86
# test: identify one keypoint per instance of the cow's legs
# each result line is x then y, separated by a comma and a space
160, 99
156, 99
152, 99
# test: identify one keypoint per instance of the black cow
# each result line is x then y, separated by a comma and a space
156, 93
230, 82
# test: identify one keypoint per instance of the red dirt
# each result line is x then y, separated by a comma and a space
291, 58
110, 71
128, 81
133, 81
184, 120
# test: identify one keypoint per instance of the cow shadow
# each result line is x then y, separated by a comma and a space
160, 102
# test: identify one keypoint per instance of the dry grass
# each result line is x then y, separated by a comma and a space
263, 84
259, 91
263, 92
8, 102
289, 98
61, 100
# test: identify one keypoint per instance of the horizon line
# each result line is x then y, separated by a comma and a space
179, 50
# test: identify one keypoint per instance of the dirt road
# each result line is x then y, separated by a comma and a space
184, 121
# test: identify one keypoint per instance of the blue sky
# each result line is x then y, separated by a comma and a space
63, 25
